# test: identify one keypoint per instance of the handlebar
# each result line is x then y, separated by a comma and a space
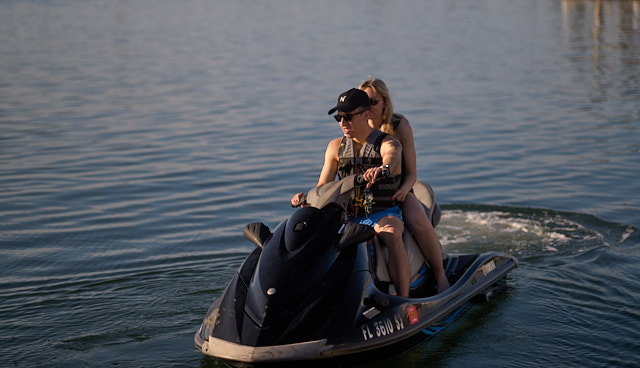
340, 188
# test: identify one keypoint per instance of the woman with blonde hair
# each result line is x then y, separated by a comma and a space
384, 119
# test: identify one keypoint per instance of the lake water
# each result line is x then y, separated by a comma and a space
138, 137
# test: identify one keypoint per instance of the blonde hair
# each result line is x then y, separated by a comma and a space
380, 88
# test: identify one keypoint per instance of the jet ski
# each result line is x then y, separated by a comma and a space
316, 290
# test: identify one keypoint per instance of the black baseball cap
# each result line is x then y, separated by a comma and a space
350, 100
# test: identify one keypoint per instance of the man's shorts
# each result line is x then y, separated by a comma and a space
373, 219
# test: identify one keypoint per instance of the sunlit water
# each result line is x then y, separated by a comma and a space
137, 138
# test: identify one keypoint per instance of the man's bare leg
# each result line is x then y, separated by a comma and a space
390, 230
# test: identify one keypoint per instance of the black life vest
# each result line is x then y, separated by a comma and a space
349, 163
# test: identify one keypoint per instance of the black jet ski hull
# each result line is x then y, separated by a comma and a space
385, 325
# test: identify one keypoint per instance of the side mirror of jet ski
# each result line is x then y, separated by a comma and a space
257, 233
355, 234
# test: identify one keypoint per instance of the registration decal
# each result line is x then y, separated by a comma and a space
382, 327
413, 314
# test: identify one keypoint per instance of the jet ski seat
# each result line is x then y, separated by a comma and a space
424, 193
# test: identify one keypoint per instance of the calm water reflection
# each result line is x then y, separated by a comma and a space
137, 138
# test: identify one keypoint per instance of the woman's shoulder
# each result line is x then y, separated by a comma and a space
399, 123
397, 120
397, 116
401, 128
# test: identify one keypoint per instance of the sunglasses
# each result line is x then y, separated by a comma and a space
347, 117
373, 101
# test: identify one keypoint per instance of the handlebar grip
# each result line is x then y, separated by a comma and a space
384, 173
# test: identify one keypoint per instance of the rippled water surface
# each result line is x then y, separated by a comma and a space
138, 137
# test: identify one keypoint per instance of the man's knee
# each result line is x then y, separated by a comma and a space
390, 226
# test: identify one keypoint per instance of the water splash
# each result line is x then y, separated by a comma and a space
526, 232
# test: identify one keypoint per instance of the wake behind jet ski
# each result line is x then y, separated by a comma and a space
315, 290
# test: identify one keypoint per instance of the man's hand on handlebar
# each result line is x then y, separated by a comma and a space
374, 174
299, 199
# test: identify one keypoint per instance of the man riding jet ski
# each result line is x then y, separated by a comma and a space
370, 152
